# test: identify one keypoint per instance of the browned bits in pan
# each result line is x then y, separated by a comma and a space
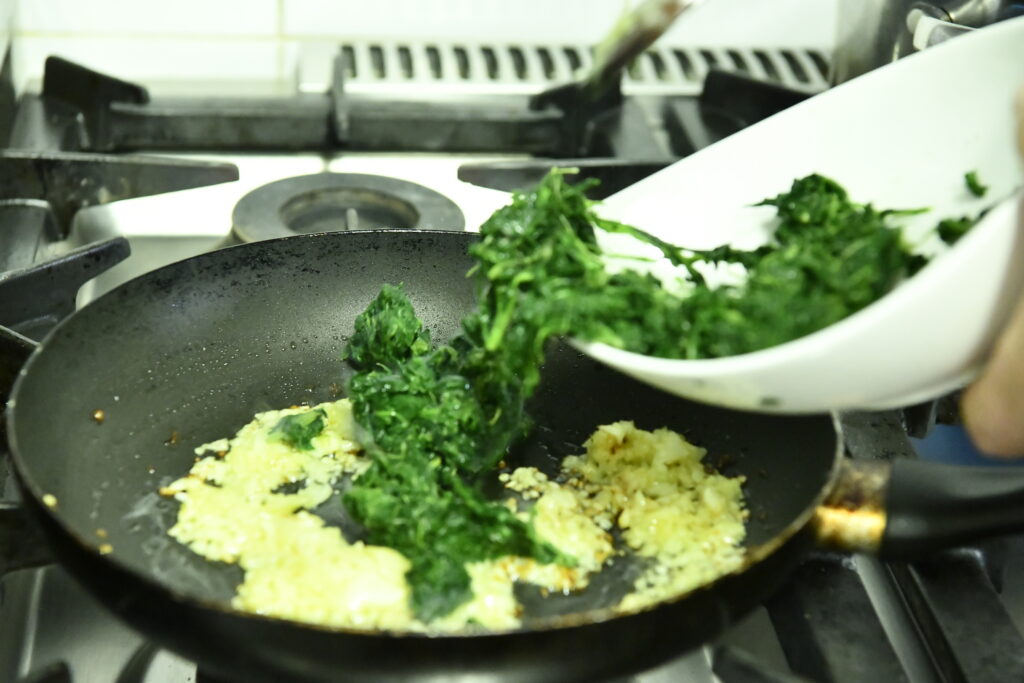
102, 533
99, 416
172, 439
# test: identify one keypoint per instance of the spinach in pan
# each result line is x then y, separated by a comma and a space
437, 416
434, 418
299, 430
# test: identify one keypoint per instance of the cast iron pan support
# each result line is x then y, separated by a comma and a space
21, 544
34, 298
121, 116
71, 181
597, 99
91, 93
728, 102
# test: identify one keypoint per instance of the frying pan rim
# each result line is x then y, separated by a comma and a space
752, 556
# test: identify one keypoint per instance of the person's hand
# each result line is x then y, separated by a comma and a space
993, 407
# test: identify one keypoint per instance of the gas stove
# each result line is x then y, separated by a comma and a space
429, 135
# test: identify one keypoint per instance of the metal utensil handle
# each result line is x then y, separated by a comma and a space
631, 35
928, 31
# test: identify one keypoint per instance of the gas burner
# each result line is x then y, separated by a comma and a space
332, 202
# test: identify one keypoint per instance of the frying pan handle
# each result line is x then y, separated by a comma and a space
931, 506
909, 508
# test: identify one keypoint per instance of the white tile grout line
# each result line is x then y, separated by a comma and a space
148, 35
282, 77
283, 38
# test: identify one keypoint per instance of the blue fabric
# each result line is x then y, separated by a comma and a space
950, 444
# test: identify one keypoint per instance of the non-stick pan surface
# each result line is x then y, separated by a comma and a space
189, 353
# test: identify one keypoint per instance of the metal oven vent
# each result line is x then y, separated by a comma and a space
451, 68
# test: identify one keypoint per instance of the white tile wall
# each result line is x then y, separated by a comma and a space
538, 21
148, 17
737, 23
255, 40
154, 58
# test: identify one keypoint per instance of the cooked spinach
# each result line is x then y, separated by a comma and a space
952, 229
300, 429
974, 185
828, 258
436, 417
432, 422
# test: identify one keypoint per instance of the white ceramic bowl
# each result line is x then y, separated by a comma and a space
899, 137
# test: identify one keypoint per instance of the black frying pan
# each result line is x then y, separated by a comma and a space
189, 353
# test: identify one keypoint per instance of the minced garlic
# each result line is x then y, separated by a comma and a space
248, 500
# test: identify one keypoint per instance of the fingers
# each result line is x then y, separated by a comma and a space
1020, 120
993, 407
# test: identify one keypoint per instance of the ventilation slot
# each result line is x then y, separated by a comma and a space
377, 62
519, 63
573, 56
405, 63
434, 61
658, 64
503, 68
348, 54
462, 63
491, 63
819, 62
767, 64
738, 61
710, 60
686, 64
547, 63
796, 67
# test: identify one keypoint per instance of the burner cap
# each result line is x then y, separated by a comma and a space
331, 202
